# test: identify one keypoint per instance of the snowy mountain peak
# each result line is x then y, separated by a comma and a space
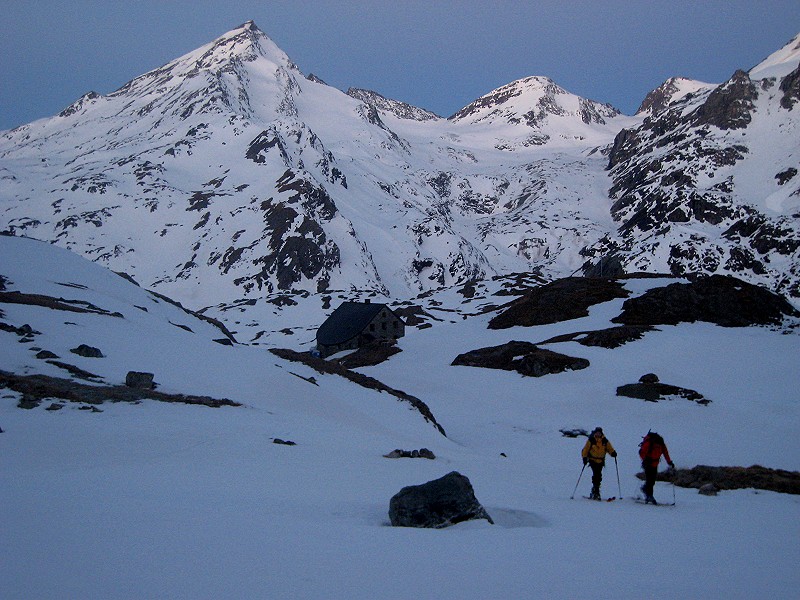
672, 90
224, 59
533, 101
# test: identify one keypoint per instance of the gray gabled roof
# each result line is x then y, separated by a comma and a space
347, 321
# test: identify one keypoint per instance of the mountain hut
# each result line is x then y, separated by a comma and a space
355, 324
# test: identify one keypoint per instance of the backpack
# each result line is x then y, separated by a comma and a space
651, 448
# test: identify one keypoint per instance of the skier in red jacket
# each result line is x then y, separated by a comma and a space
650, 451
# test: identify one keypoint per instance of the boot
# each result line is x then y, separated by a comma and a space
595, 494
650, 500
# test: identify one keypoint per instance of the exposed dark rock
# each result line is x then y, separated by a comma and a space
323, 366
283, 442
573, 433
786, 175
651, 390
54, 303
734, 478
87, 351
421, 453
45, 354
612, 337
790, 86
26, 332
729, 106
262, 143
437, 504
370, 354
35, 388
139, 380
718, 299
75, 371
561, 300
607, 266
415, 316
523, 357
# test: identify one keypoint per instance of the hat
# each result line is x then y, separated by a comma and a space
596, 429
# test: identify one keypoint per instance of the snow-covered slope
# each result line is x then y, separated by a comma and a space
168, 500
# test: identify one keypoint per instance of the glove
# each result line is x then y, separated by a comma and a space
613, 454
585, 461
672, 465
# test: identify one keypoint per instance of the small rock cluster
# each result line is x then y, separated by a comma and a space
421, 453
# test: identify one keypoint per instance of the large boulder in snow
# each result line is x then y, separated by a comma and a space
436, 504
140, 380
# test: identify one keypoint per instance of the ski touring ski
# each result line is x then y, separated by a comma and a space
640, 500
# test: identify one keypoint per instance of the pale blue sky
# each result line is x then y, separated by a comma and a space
439, 55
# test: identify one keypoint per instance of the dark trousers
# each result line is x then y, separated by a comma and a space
597, 474
649, 479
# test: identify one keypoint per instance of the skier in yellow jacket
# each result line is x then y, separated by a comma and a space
594, 453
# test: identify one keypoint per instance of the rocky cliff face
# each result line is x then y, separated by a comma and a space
399, 109
707, 183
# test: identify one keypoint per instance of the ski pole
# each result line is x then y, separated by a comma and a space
619, 487
673, 486
576, 485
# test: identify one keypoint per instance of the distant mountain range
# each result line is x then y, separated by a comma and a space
227, 176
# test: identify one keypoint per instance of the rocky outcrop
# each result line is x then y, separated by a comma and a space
87, 351
370, 354
734, 478
718, 299
613, 337
650, 389
35, 388
437, 504
399, 109
523, 357
421, 453
561, 300
729, 106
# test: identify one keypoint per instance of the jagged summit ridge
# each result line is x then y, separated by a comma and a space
402, 110
672, 90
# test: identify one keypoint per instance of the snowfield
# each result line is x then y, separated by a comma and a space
157, 500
